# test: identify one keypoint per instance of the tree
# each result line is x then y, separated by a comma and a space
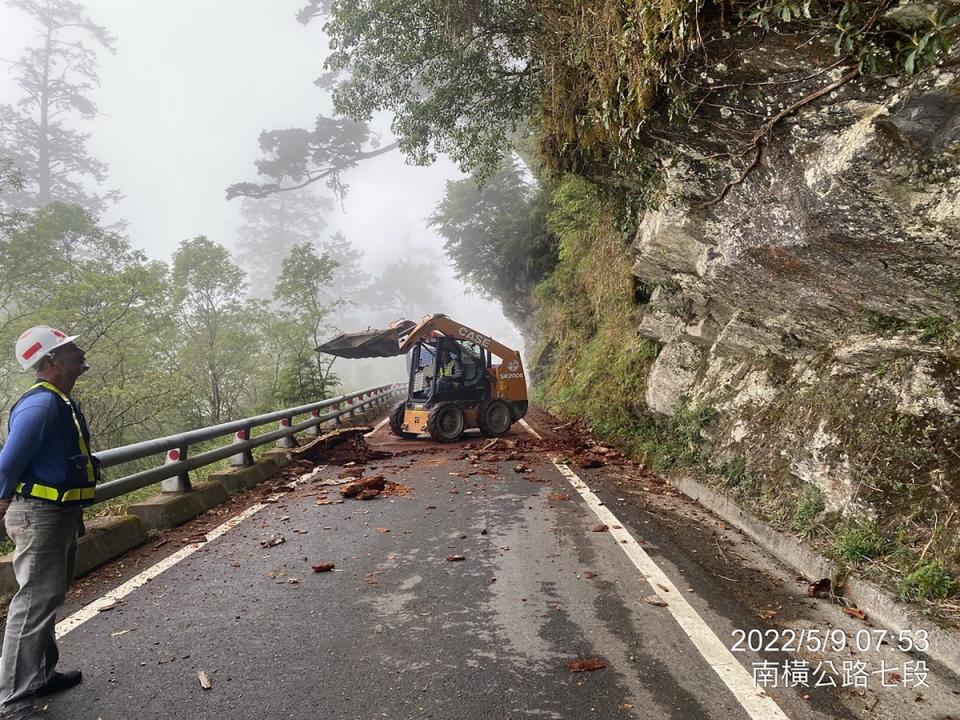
349, 282
271, 227
296, 158
219, 343
460, 76
406, 288
301, 289
58, 267
56, 78
497, 237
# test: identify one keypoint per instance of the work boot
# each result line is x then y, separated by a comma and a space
22, 713
59, 681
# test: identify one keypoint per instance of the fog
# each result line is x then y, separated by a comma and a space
182, 102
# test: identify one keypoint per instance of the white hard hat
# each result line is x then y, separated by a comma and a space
38, 342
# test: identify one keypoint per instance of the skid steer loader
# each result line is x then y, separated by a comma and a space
453, 381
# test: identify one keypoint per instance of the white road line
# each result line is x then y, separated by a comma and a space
755, 701
81, 616
378, 426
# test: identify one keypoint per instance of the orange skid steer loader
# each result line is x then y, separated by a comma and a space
453, 382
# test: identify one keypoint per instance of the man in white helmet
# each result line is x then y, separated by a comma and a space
47, 475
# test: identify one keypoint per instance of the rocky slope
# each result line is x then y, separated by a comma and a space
806, 279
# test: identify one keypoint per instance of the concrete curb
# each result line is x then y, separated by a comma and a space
879, 605
168, 510
107, 538
238, 479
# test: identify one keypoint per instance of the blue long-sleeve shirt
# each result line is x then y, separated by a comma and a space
40, 443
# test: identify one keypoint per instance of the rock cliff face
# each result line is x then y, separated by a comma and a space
807, 277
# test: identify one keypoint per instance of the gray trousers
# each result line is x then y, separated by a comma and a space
45, 535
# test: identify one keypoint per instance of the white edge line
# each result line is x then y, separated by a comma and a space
755, 701
81, 616
378, 426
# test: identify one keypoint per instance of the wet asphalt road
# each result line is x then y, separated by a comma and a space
397, 630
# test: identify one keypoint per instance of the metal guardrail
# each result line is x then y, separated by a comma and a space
174, 473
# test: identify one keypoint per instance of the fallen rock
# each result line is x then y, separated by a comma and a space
372, 483
586, 665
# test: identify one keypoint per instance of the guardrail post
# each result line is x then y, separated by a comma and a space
315, 430
338, 420
288, 440
180, 483
243, 458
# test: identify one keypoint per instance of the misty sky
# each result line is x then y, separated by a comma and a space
182, 103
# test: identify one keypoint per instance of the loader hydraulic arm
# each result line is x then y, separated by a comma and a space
455, 330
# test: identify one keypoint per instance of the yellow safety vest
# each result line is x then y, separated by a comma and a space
64, 495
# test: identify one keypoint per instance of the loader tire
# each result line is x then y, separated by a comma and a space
396, 422
494, 417
446, 422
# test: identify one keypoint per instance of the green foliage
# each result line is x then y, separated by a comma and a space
92, 283
857, 541
936, 329
215, 355
304, 376
927, 581
458, 77
591, 363
735, 473
761, 13
881, 324
497, 235
879, 43
608, 64
807, 508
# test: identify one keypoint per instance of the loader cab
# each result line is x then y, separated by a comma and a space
443, 369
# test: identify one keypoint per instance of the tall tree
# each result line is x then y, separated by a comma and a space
349, 282
56, 77
301, 289
296, 157
219, 343
497, 237
406, 288
271, 227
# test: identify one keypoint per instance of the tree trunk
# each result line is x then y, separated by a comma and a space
43, 139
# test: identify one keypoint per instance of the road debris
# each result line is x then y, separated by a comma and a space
820, 588
323, 567
366, 488
521, 468
599, 528
586, 665
558, 497
206, 682
273, 541
855, 613
316, 448
654, 600
455, 558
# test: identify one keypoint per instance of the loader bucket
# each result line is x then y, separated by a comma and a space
372, 343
